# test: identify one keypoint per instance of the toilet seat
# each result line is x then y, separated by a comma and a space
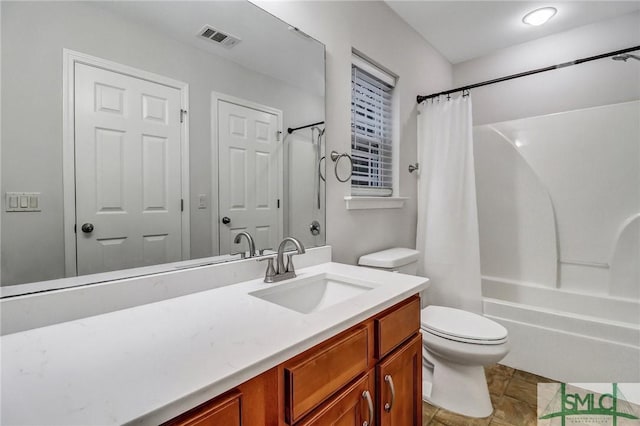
461, 326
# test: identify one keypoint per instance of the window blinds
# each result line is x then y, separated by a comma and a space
371, 135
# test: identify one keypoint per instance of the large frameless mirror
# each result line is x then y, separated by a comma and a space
144, 136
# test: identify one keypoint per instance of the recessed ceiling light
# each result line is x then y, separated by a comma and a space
539, 16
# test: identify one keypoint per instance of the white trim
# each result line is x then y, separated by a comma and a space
69, 59
215, 216
366, 203
372, 68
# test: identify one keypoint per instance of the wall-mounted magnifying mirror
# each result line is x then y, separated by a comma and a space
140, 134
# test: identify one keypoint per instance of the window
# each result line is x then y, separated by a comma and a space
371, 129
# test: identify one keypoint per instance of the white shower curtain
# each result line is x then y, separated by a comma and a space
447, 234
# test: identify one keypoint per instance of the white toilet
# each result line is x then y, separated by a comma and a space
456, 345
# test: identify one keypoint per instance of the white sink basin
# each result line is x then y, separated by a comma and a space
312, 294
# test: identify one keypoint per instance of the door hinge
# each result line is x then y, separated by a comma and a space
183, 112
182, 204
75, 228
278, 203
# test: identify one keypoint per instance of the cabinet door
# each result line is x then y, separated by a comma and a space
399, 382
353, 406
220, 411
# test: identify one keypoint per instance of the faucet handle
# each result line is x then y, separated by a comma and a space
261, 251
290, 267
270, 273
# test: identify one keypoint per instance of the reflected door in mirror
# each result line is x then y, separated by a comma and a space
128, 187
250, 177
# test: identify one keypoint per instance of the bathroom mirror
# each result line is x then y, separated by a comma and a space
143, 136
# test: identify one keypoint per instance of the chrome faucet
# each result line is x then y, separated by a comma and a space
252, 244
281, 271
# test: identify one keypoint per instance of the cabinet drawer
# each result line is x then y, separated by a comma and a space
318, 373
351, 406
224, 410
395, 326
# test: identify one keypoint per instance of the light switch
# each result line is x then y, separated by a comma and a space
22, 201
202, 201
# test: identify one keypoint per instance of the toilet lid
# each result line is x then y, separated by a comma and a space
461, 325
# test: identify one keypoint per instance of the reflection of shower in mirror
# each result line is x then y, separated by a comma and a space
317, 143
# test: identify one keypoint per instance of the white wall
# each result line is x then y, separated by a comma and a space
590, 84
375, 30
32, 244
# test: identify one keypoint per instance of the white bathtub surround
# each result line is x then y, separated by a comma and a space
559, 213
447, 233
149, 363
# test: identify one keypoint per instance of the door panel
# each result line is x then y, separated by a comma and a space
249, 169
404, 366
128, 171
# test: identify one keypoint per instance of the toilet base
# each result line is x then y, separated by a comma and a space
458, 388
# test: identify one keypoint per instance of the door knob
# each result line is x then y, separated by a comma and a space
87, 228
226, 220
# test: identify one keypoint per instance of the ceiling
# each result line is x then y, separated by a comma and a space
463, 30
268, 45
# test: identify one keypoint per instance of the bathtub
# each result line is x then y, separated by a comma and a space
565, 335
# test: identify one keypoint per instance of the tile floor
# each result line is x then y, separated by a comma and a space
513, 393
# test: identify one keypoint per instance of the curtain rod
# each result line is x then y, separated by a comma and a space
421, 98
290, 130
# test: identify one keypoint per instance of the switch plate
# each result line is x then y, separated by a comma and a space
202, 201
22, 202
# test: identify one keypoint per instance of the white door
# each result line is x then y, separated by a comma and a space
249, 164
128, 175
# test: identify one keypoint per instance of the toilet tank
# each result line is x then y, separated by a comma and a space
397, 259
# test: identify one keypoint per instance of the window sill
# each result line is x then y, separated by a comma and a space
366, 203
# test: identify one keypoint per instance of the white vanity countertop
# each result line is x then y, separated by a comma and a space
149, 363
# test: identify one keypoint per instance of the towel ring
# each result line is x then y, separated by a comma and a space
335, 157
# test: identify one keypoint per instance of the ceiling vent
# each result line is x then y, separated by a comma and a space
218, 37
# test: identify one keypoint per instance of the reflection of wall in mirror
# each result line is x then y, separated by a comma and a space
32, 244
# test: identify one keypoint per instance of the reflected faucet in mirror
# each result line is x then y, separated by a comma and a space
252, 244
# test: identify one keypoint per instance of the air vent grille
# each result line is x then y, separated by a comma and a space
218, 37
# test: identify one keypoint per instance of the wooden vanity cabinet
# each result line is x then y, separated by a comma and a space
342, 381
393, 351
224, 410
254, 402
